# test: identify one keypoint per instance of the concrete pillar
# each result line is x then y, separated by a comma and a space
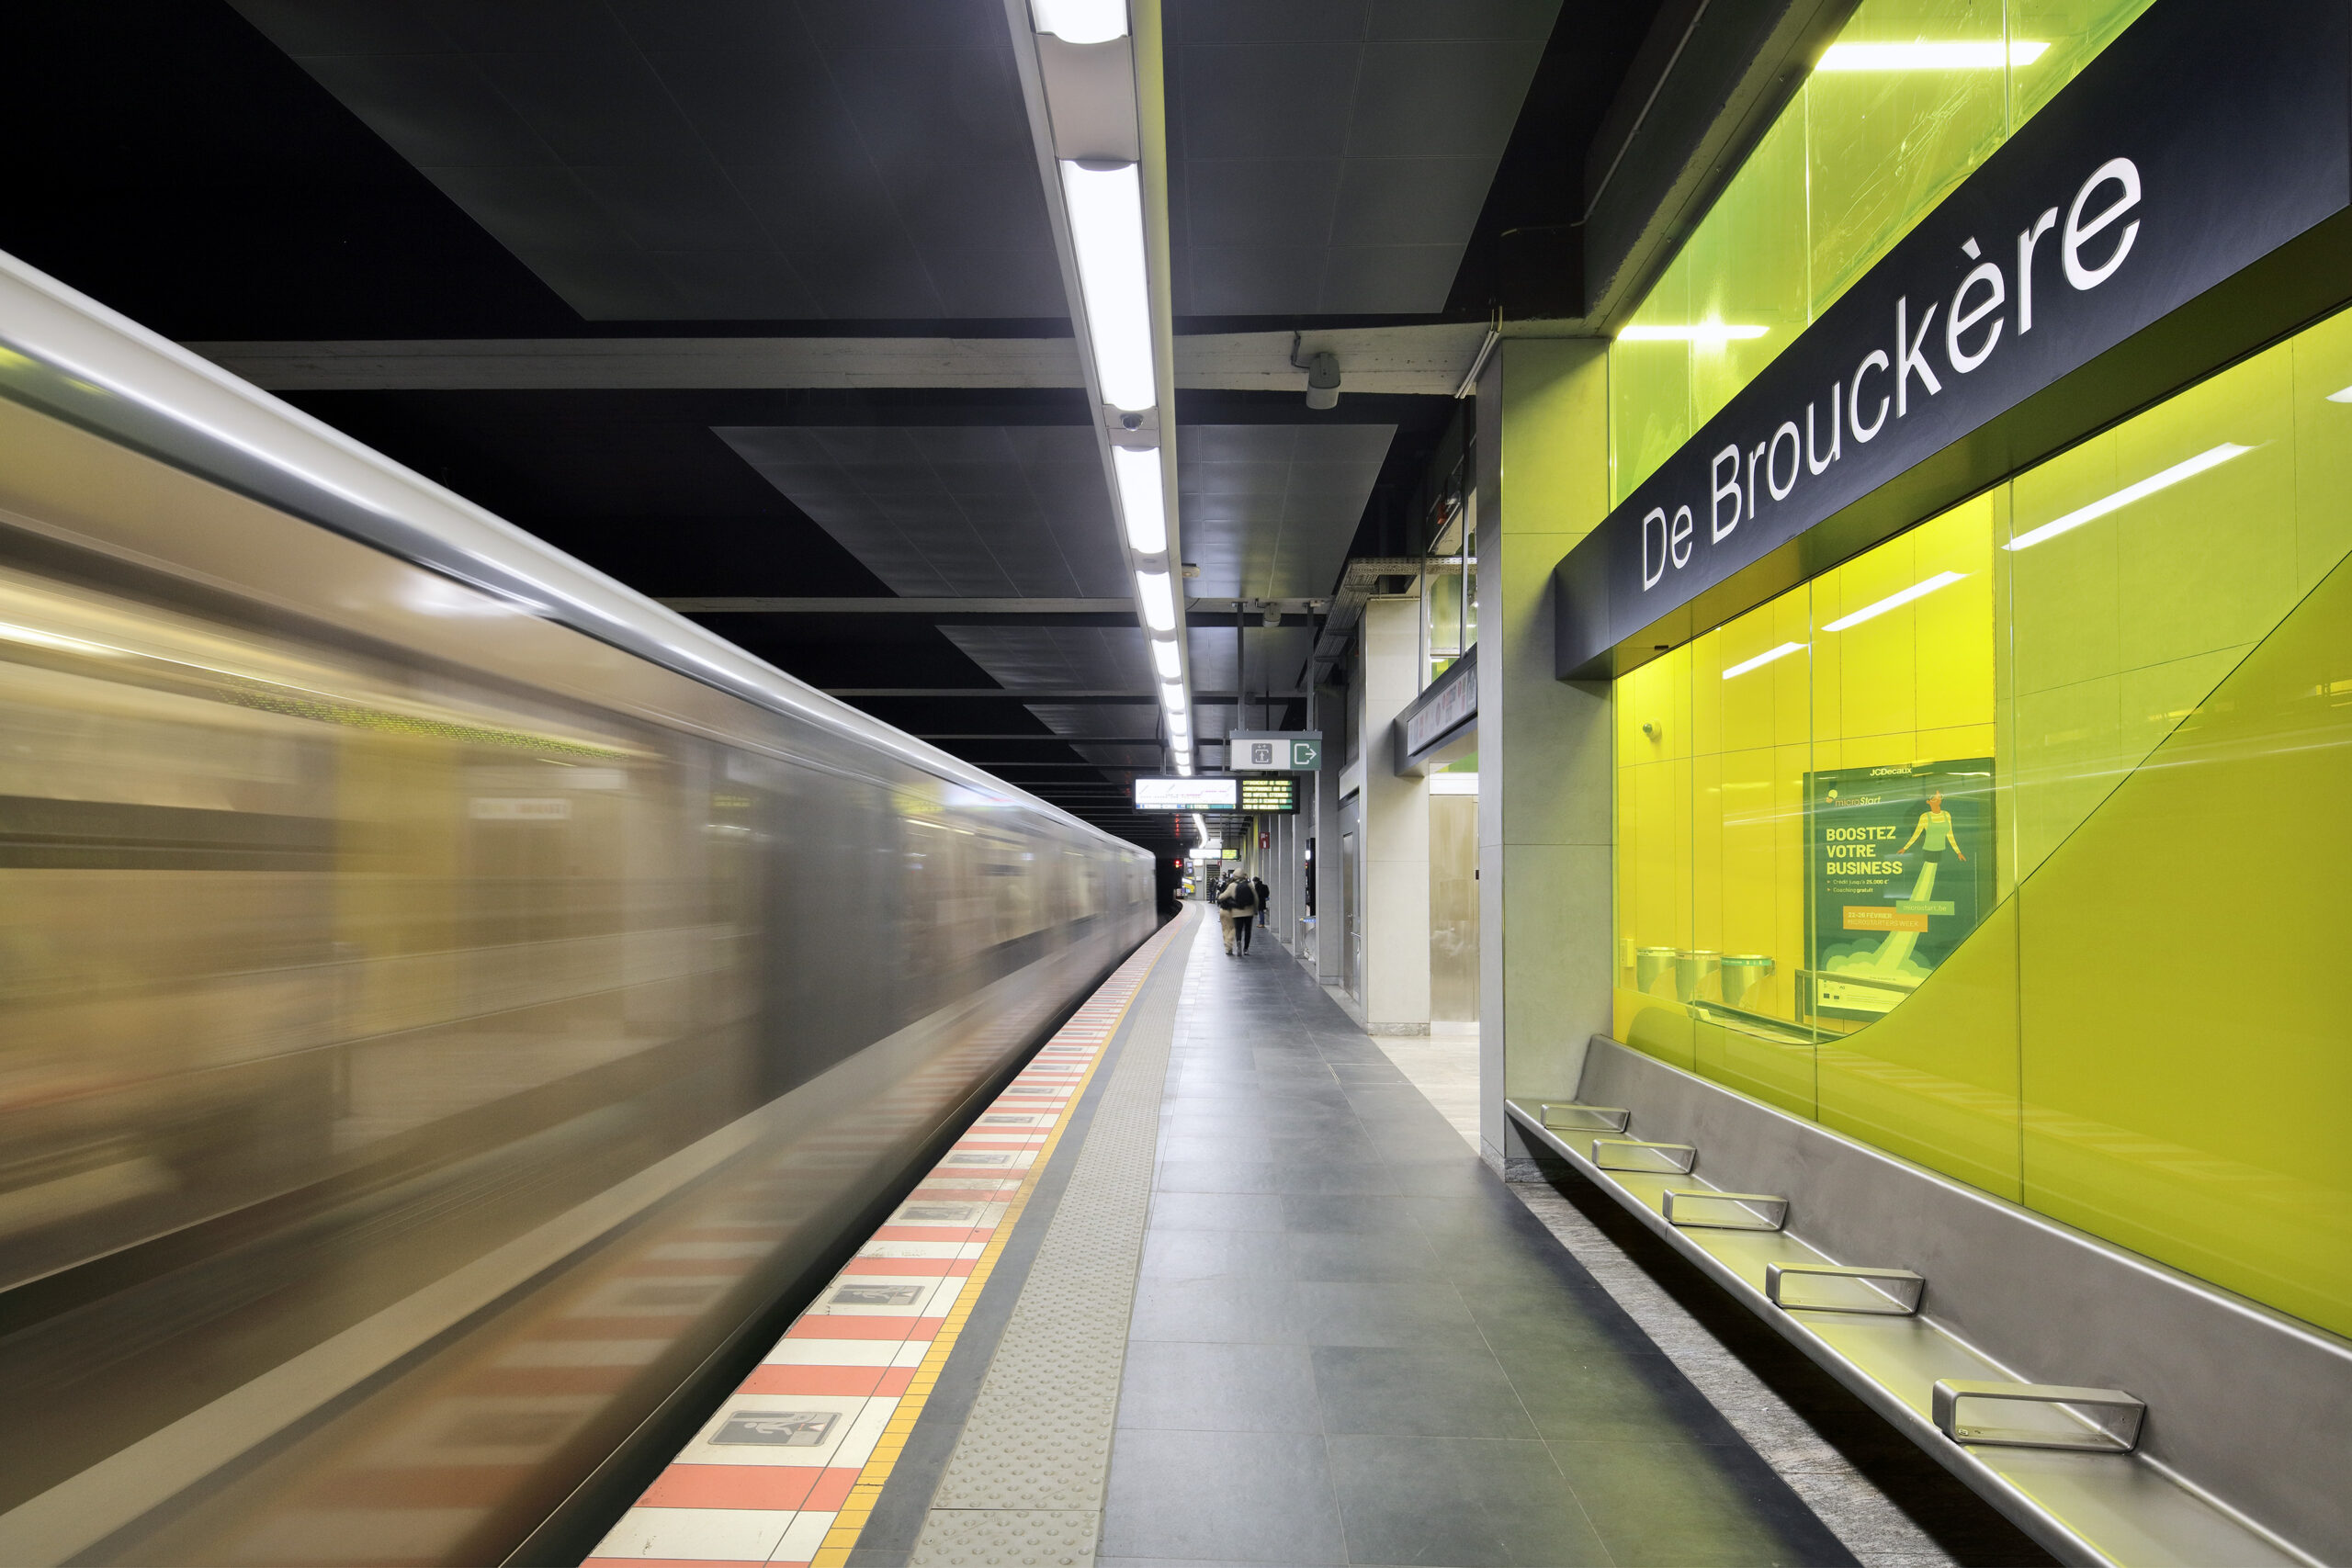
1329, 710
1544, 745
1395, 827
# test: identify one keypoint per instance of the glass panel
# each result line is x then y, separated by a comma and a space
1912, 96
1890, 141
1954, 846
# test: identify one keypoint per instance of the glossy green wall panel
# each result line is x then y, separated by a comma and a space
1935, 1080
2143, 1037
2186, 1082
1886, 146
1846, 169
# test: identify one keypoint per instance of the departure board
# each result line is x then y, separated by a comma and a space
1278, 793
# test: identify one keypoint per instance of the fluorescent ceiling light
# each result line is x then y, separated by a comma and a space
1184, 765
1158, 601
2209, 458
1698, 331
1141, 498
1895, 601
1957, 54
1081, 21
1171, 696
1163, 656
1761, 660
1106, 227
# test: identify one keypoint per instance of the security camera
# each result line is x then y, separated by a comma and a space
1322, 381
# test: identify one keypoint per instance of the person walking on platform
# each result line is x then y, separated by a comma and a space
1223, 894
1265, 900
1243, 900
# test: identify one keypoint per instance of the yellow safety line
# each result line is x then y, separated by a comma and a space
859, 1506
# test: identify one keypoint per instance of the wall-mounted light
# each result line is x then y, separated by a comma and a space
1695, 332
1761, 660
1919, 589
1105, 205
1081, 21
1955, 54
2212, 457
1159, 600
1141, 499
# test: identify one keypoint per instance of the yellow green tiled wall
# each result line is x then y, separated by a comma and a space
1856, 158
2145, 1036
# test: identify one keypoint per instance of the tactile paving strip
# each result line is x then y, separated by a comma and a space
1037, 1444
788, 1470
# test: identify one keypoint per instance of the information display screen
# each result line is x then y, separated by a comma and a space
1186, 795
1270, 795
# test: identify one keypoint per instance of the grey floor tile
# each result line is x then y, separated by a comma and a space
1470, 1503
1344, 1211
1445, 1390
1221, 1496
1209, 1255
1220, 1311
1362, 1256
1383, 1315
1349, 1177
1613, 1396
1694, 1506
1219, 1388
1218, 1210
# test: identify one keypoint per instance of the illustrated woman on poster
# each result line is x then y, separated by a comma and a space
1935, 826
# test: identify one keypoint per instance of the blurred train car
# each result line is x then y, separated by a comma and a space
446, 1001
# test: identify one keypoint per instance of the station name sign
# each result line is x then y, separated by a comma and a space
2202, 139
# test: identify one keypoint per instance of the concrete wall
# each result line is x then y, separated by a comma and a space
1544, 745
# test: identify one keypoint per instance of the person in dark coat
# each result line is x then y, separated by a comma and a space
1265, 901
1241, 898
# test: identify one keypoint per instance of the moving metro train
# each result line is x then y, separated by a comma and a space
451, 1004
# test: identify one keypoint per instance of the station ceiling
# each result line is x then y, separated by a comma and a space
757, 299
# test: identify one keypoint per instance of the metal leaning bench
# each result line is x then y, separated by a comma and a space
2094, 1473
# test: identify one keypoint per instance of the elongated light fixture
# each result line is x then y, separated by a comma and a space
1141, 498
1106, 202
2212, 457
1955, 54
1761, 660
1164, 659
1081, 21
1919, 589
1159, 600
1697, 331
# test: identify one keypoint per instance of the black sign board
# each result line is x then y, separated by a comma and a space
1275, 793
2201, 139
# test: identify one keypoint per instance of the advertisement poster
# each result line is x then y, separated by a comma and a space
1901, 863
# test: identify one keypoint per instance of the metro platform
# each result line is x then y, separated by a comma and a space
1213, 1281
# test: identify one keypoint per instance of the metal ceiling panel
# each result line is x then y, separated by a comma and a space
1300, 134
1269, 509
986, 511
653, 160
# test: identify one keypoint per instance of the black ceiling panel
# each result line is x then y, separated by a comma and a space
809, 160
1332, 157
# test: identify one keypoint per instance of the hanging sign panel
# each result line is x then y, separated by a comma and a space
1185, 795
1277, 793
2204, 139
